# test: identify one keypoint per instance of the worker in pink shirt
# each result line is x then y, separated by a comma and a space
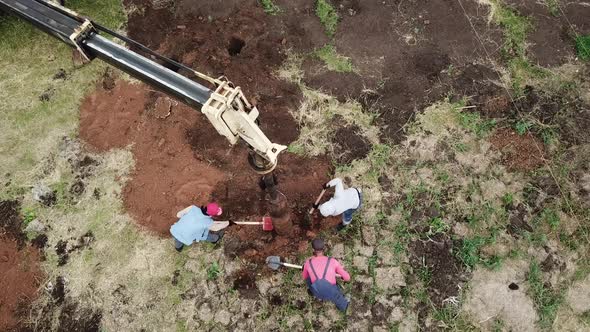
319, 272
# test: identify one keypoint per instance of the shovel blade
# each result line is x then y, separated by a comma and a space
274, 262
267, 224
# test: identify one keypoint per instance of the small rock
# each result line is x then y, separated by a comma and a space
284, 41
310, 234
223, 317
361, 263
35, 226
181, 27
461, 229
389, 277
426, 22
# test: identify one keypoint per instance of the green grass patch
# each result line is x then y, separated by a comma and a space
523, 126
327, 15
583, 47
553, 7
469, 252
516, 28
547, 301
270, 7
473, 122
333, 60
213, 271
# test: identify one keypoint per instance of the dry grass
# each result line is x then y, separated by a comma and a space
320, 114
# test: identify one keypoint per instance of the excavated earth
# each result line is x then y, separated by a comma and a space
406, 55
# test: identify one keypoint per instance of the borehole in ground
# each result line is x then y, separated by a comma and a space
245, 284
235, 46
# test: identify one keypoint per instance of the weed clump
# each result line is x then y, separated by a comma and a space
269, 7
333, 60
583, 47
547, 301
327, 15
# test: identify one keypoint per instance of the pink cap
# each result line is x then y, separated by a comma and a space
213, 209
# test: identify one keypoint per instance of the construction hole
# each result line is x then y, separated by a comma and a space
235, 46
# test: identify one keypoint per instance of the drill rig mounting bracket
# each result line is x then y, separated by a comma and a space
234, 117
80, 34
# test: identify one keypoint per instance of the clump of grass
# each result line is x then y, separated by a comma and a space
583, 47
333, 60
523, 126
213, 271
327, 15
469, 252
553, 7
270, 7
547, 301
437, 225
472, 121
516, 28
28, 215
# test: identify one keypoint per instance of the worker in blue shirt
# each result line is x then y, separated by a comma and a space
194, 224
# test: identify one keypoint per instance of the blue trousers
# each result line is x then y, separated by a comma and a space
331, 293
347, 215
212, 237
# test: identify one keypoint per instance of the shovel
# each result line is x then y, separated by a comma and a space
266, 224
317, 200
274, 262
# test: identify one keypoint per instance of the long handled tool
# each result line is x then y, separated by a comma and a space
317, 201
266, 224
274, 262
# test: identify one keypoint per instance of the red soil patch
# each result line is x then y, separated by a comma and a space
20, 274
167, 177
519, 152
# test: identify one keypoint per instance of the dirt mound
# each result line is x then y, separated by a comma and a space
551, 38
350, 145
167, 177
20, 274
434, 261
519, 152
402, 49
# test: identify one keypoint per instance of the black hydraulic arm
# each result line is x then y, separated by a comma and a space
62, 24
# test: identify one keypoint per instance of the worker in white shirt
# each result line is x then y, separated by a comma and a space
344, 201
